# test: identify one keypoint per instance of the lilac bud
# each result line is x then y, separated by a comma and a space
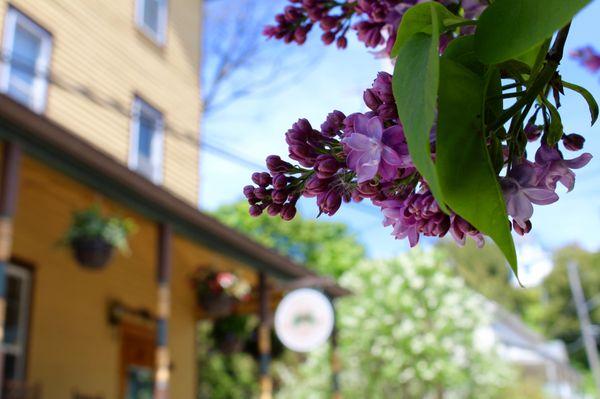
303, 125
255, 210
263, 179
328, 37
279, 196
274, 209
261, 193
326, 166
388, 111
333, 124
367, 190
573, 142
342, 42
520, 230
330, 202
301, 152
382, 85
249, 192
532, 131
279, 182
276, 165
371, 99
300, 35
288, 211
328, 23
315, 186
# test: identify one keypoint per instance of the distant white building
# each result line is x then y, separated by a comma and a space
539, 359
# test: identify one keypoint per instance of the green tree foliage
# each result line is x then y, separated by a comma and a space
557, 314
407, 332
485, 270
221, 376
328, 248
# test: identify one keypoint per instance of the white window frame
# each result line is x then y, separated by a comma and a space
20, 350
160, 36
156, 146
13, 19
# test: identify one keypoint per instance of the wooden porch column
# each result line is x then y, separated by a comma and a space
336, 365
264, 338
9, 185
163, 361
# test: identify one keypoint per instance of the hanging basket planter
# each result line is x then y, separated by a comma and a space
218, 292
93, 237
216, 305
93, 253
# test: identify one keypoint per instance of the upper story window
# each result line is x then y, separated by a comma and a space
151, 18
26, 53
146, 144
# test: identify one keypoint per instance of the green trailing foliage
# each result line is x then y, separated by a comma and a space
91, 224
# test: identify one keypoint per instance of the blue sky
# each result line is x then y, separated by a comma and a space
254, 127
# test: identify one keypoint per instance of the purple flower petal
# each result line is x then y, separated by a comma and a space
374, 129
358, 141
578, 162
519, 206
540, 196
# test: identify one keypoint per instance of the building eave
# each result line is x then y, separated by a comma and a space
54, 144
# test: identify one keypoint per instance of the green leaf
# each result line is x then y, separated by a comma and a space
467, 177
589, 98
415, 85
418, 20
462, 50
555, 130
509, 28
535, 57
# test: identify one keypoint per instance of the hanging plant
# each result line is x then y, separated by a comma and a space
218, 292
231, 333
93, 237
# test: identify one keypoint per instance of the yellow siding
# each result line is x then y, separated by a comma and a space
100, 60
72, 346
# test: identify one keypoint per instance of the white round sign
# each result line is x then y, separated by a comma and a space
304, 320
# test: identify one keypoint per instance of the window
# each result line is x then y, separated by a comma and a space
151, 18
25, 60
146, 141
18, 296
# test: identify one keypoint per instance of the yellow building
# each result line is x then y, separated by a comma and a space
100, 103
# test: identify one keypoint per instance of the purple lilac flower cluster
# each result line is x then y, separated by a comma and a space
365, 155
356, 157
528, 183
375, 21
588, 57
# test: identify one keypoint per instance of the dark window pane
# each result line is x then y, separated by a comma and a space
14, 296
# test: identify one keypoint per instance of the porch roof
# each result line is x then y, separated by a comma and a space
54, 144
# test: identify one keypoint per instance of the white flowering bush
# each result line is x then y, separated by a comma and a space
407, 332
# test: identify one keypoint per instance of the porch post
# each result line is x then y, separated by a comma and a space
161, 384
9, 185
336, 365
264, 338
